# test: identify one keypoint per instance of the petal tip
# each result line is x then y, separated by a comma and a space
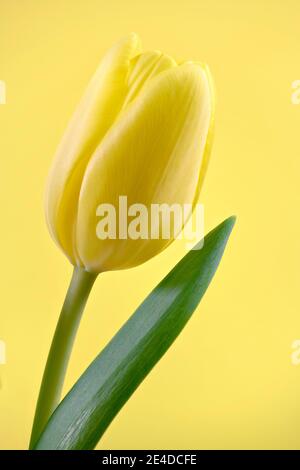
135, 41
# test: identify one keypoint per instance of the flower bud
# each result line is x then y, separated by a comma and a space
142, 130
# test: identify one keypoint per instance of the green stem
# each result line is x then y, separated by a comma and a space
61, 347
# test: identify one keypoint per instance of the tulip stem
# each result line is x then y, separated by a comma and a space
61, 347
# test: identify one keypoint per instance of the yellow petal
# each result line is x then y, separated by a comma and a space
210, 134
144, 68
94, 116
153, 154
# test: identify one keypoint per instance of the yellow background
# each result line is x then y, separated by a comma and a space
228, 381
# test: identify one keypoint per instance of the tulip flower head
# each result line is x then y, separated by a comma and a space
143, 131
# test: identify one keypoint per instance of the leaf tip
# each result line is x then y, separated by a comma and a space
230, 221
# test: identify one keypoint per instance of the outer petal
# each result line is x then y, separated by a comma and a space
210, 134
95, 114
153, 154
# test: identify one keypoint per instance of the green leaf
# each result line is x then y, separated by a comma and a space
88, 409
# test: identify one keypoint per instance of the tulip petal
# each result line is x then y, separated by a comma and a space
144, 68
153, 154
95, 114
210, 134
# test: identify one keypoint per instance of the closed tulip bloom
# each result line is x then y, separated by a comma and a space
143, 129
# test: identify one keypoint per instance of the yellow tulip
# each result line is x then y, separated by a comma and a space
143, 129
